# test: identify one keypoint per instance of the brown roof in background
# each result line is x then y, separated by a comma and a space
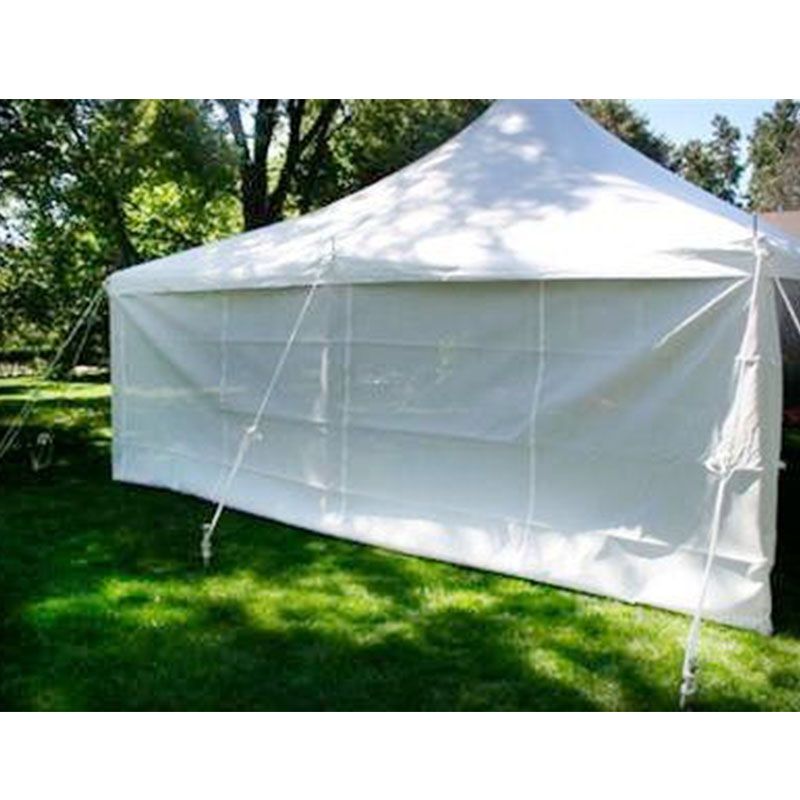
788, 221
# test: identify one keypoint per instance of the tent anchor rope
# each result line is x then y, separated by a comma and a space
86, 317
252, 431
690, 657
788, 304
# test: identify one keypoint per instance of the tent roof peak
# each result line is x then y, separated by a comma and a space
531, 190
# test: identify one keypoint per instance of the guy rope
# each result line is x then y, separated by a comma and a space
42, 453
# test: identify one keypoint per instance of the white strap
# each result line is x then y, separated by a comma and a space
344, 449
252, 431
535, 403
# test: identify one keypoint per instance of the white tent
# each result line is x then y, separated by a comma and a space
533, 351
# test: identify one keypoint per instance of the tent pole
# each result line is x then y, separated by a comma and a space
690, 659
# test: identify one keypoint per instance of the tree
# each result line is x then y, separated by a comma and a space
89, 186
775, 158
621, 119
83, 159
790, 174
300, 128
714, 165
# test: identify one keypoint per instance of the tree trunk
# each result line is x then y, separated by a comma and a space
254, 196
260, 206
253, 167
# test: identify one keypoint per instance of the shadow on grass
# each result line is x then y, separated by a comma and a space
106, 606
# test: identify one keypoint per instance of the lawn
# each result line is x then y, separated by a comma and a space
105, 605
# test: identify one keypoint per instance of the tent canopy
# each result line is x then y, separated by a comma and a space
531, 190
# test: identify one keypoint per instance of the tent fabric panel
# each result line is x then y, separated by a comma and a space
558, 431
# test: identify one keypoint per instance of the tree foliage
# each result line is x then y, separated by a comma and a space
714, 165
384, 136
621, 119
775, 158
89, 186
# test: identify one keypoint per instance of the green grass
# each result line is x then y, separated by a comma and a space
105, 605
